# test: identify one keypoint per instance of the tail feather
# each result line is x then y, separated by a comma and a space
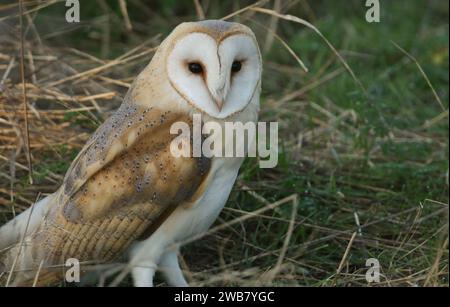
18, 264
12, 232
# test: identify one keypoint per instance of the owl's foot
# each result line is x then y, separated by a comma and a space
171, 270
143, 275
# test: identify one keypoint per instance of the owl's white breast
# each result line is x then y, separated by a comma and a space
187, 222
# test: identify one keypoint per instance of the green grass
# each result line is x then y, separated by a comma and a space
377, 157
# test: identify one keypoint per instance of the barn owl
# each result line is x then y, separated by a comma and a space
125, 195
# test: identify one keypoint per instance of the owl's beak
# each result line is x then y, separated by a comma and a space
219, 90
220, 96
219, 103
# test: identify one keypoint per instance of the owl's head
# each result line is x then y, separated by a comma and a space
214, 65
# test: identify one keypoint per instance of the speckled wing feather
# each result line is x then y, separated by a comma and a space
119, 185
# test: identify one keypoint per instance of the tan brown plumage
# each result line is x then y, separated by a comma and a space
125, 185
117, 187
108, 200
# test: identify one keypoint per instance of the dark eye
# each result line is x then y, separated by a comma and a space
236, 66
195, 68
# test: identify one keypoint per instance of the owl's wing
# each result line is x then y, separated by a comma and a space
124, 183
114, 136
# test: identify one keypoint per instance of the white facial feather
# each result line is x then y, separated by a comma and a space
242, 84
217, 91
